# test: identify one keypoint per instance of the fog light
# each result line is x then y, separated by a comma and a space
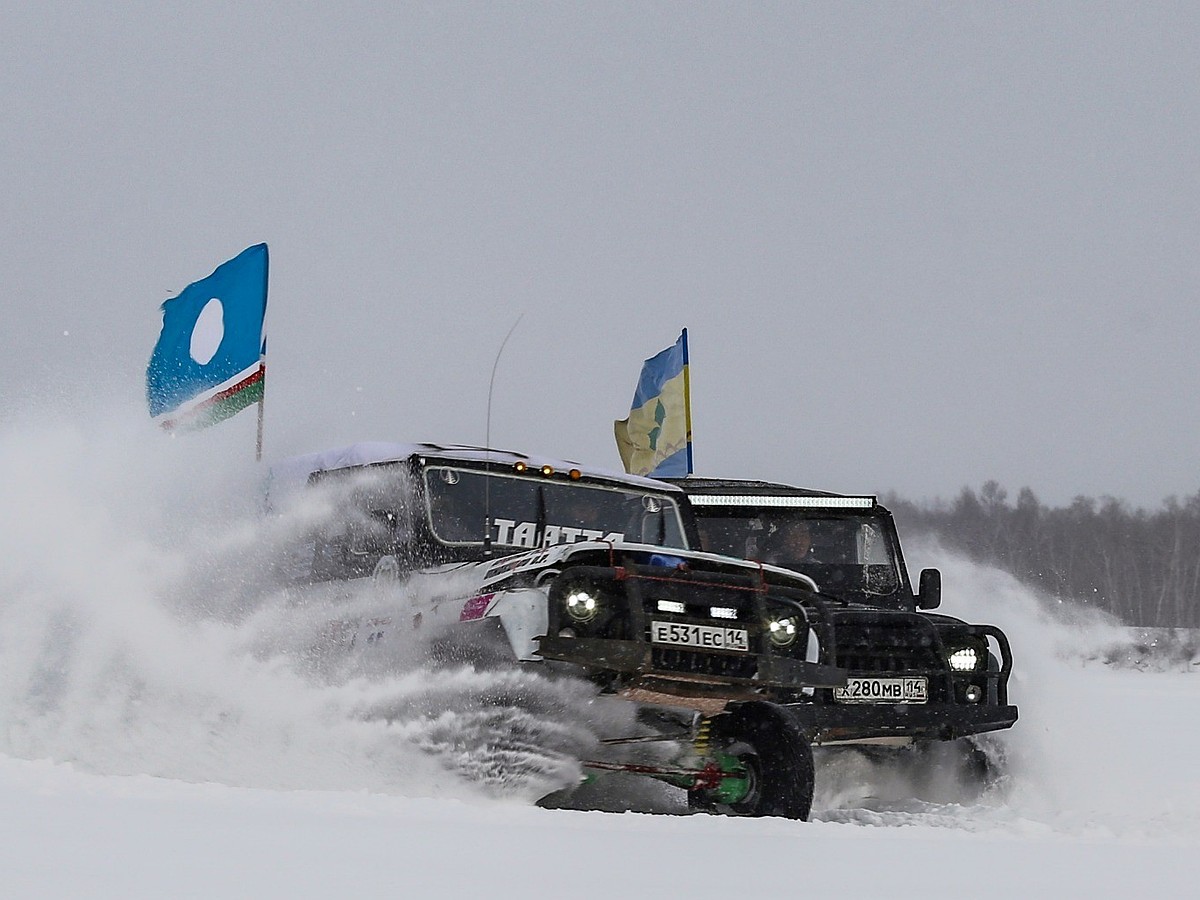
964, 660
974, 693
582, 606
782, 631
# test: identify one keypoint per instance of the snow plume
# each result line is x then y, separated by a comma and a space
1078, 716
142, 631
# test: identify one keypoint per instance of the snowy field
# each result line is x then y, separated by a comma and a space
158, 740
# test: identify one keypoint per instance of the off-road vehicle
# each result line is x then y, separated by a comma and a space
913, 676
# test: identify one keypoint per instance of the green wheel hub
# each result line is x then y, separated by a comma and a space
737, 780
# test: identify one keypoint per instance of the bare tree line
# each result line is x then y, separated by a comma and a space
1143, 567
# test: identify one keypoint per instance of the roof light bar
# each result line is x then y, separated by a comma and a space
782, 502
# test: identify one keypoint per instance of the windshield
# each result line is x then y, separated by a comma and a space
852, 552
536, 512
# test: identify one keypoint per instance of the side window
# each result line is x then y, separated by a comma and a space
374, 532
879, 569
366, 515
872, 546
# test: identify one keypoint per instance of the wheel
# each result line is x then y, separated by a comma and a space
958, 771
772, 764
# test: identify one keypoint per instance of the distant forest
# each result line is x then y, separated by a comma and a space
1143, 567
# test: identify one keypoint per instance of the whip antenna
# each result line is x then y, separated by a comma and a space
487, 444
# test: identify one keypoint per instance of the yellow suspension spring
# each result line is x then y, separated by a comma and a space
703, 736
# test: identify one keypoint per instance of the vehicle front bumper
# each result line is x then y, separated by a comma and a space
636, 659
831, 722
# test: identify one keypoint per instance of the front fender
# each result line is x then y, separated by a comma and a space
522, 613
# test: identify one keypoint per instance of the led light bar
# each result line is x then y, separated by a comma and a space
722, 612
780, 502
672, 606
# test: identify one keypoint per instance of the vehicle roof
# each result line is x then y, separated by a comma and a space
297, 469
751, 488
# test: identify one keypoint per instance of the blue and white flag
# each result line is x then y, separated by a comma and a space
209, 360
656, 439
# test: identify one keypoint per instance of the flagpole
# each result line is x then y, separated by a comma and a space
262, 397
687, 401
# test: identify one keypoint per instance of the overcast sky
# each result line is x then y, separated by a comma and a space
917, 246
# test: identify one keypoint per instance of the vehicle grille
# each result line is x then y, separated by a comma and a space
896, 644
690, 662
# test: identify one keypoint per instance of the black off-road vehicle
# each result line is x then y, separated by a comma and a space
913, 676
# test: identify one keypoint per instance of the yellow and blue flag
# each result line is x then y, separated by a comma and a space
656, 439
209, 360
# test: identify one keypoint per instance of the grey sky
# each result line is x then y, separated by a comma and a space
916, 246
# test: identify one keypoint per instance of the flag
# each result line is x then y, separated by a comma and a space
208, 363
656, 439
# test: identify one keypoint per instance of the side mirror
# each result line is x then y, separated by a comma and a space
930, 594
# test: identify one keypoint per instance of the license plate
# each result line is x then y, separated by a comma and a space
702, 637
883, 690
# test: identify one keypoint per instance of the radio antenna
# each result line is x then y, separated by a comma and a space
487, 445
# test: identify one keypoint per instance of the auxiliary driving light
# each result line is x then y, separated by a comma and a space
722, 612
973, 693
672, 606
782, 631
965, 659
582, 606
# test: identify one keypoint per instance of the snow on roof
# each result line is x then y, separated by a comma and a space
293, 472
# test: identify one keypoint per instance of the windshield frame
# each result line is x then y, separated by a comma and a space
540, 528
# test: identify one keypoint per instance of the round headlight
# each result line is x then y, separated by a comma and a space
965, 659
782, 630
582, 605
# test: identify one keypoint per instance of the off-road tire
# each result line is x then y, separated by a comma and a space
777, 758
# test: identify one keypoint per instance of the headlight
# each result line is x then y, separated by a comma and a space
965, 659
783, 630
582, 605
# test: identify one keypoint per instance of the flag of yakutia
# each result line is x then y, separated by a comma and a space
209, 362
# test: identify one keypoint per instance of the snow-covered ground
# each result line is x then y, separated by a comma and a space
155, 740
